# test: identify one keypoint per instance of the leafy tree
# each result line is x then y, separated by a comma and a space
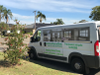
75, 23
58, 22
95, 13
83, 21
51, 23
41, 16
3, 27
7, 14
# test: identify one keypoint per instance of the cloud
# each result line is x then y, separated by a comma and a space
66, 20
51, 5
22, 16
30, 19
23, 19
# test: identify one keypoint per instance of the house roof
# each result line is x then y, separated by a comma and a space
10, 25
37, 25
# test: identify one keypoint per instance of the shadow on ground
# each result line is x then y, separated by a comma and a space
61, 66
4, 63
94, 72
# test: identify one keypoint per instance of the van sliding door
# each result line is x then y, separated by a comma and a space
52, 44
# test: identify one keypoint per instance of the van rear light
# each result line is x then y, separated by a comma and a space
96, 48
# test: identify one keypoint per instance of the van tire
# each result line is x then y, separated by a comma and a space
33, 55
78, 65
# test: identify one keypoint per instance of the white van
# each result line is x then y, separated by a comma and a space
75, 44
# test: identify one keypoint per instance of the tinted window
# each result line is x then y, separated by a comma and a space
37, 36
68, 34
84, 34
46, 35
50, 35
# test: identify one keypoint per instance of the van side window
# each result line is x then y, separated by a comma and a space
56, 36
37, 36
84, 34
52, 35
81, 34
47, 35
68, 34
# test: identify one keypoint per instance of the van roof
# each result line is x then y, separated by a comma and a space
96, 22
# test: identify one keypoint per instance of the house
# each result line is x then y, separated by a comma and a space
31, 28
4, 32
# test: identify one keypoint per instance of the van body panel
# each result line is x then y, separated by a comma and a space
75, 41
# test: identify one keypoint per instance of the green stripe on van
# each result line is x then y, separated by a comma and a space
54, 44
53, 50
53, 53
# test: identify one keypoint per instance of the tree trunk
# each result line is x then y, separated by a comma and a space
40, 20
0, 17
6, 19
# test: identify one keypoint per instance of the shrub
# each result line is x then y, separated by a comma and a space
31, 33
16, 47
3, 27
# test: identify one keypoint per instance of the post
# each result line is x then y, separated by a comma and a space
35, 19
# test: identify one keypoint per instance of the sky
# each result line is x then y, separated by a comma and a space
69, 11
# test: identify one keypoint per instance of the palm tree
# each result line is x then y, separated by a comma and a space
42, 16
1, 11
7, 14
1, 7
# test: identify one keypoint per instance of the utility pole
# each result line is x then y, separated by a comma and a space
35, 19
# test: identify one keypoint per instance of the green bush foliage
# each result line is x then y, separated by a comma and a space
16, 48
3, 26
31, 33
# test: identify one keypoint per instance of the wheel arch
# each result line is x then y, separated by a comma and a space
76, 55
32, 49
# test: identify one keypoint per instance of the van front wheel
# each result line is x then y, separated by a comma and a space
78, 65
32, 55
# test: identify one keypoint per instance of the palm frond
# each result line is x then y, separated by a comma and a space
44, 17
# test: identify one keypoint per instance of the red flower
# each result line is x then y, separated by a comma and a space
18, 59
27, 44
10, 44
21, 43
6, 39
5, 28
20, 50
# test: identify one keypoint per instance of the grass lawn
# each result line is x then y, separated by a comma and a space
28, 68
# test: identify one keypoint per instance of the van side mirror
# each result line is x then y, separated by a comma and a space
31, 39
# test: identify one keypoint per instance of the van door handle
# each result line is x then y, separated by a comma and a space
40, 43
44, 43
